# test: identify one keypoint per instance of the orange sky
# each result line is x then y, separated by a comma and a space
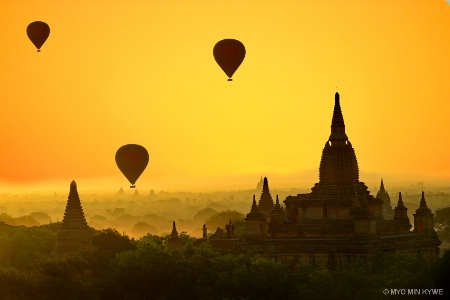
119, 72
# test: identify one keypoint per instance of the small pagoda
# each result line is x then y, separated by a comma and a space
382, 194
174, 240
74, 233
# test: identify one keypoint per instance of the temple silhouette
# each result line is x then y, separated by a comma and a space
337, 221
74, 233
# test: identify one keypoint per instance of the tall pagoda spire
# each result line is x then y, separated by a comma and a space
265, 204
337, 135
338, 163
74, 232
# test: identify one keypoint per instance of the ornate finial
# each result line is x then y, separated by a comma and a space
381, 185
338, 135
400, 201
278, 202
423, 203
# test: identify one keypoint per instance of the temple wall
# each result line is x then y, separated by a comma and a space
338, 212
376, 209
253, 228
314, 212
365, 226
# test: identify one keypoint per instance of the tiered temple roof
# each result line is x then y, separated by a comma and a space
254, 213
338, 176
74, 232
265, 204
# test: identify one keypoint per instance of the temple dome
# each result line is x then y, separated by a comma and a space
338, 162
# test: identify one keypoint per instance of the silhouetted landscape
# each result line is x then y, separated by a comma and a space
169, 150
118, 266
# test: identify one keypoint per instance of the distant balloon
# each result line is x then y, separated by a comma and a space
229, 54
132, 160
38, 33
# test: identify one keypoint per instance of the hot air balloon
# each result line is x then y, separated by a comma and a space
229, 54
38, 33
132, 160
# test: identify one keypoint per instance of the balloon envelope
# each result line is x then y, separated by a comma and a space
38, 33
229, 54
132, 160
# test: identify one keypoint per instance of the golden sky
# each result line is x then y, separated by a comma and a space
120, 72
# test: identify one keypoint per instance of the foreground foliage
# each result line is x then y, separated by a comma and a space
117, 267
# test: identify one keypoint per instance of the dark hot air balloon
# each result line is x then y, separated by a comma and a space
132, 160
229, 54
38, 33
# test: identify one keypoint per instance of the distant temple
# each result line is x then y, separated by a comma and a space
121, 191
74, 232
174, 240
260, 184
382, 194
338, 221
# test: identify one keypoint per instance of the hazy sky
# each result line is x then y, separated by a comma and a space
119, 72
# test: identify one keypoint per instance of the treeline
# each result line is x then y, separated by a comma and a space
117, 267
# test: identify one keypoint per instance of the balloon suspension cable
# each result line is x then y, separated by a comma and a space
132, 186
229, 79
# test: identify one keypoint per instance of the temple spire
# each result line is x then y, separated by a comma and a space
174, 240
338, 135
382, 186
174, 228
400, 200
423, 203
74, 232
265, 204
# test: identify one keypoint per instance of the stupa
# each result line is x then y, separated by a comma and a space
382, 194
265, 204
74, 233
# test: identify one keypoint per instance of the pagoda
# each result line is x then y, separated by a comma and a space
401, 216
423, 218
387, 208
255, 221
174, 240
74, 233
260, 184
333, 196
265, 204
338, 221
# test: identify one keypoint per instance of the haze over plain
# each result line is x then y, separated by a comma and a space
143, 72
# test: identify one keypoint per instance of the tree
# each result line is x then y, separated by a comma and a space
110, 240
222, 218
204, 214
442, 222
141, 229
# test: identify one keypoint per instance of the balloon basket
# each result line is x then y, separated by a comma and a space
39, 50
132, 186
229, 79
